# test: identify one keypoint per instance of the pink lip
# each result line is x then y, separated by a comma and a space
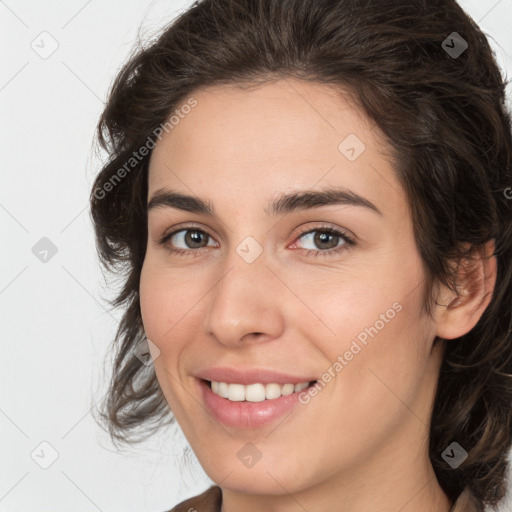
250, 376
246, 414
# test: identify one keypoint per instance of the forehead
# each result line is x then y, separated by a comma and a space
269, 119
272, 137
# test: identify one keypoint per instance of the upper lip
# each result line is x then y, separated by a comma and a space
248, 376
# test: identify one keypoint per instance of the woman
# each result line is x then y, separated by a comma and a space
309, 201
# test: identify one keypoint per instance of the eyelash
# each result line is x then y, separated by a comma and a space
348, 241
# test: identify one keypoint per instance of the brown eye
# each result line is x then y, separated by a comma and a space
187, 239
325, 241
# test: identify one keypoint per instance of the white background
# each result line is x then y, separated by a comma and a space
56, 324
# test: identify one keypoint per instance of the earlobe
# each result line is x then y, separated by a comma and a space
462, 309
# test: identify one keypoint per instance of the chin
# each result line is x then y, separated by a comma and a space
263, 478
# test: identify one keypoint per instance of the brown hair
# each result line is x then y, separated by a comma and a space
449, 133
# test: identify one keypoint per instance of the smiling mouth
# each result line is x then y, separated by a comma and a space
257, 392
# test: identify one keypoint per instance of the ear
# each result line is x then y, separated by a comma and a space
458, 311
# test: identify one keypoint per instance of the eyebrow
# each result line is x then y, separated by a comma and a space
285, 203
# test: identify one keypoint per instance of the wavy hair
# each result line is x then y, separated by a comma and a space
446, 123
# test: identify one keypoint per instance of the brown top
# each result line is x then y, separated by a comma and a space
211, 500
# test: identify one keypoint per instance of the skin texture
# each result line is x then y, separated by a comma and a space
362, 443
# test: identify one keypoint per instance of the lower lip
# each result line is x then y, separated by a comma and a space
247, 414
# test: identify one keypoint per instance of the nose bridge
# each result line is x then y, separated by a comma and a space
244, 300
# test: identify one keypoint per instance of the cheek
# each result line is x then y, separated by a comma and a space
164, 300
152, 300
372, 335
382, 351
375, 290
167, 315
352, 307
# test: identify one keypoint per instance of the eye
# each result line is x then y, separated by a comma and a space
190, 239
329, 240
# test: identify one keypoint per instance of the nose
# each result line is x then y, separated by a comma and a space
246, 303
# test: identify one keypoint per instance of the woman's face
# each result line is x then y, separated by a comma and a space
259, 288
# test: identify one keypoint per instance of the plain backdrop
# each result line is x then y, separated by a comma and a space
58, 60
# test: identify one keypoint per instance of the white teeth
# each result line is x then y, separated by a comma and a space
272, 391
255, 392
300, 387
223, 389
288, 389
236, 392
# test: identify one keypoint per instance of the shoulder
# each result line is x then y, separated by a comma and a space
208, 501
